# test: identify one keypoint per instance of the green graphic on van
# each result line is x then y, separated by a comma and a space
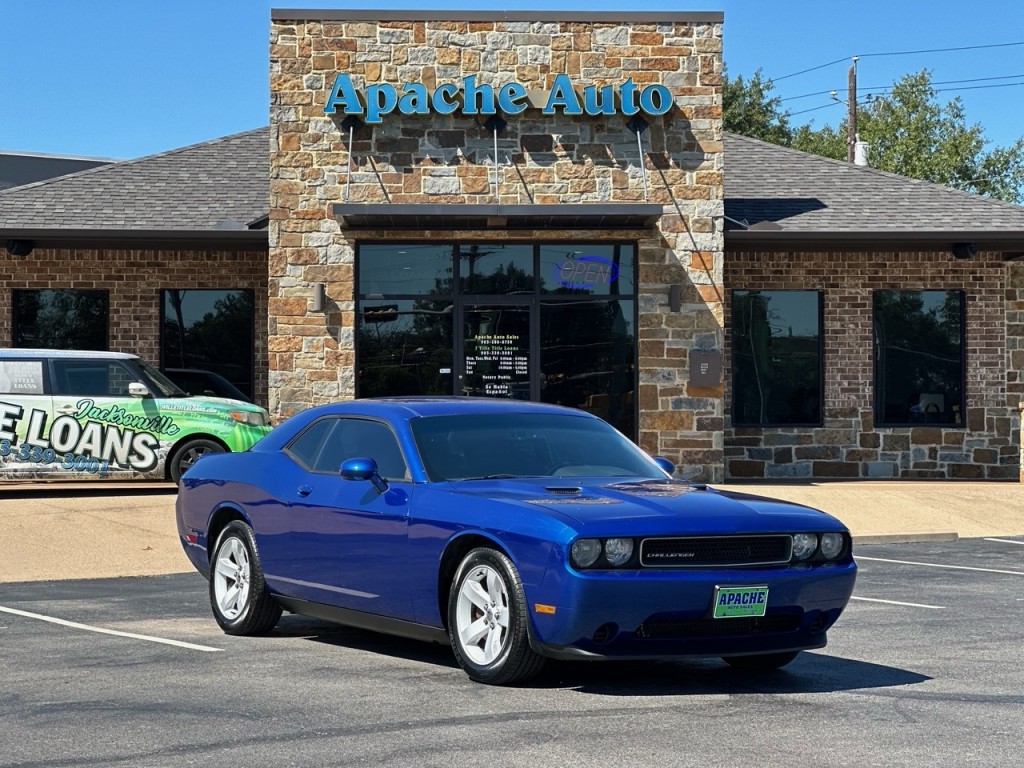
96, 439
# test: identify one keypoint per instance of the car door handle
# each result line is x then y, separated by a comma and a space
68, 409
305, 490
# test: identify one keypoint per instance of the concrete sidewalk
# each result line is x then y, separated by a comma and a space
97, 530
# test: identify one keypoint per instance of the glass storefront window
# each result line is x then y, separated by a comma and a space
60, 318
405, 347
404, 269
587, 358
776, 358
495, 269
552, 322
919, 358
209, 330
583, 269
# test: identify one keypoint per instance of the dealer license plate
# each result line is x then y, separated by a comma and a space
740, 601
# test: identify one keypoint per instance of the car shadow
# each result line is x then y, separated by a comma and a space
811, 672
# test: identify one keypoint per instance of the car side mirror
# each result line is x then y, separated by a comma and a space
363, 468
138, 389
665, 464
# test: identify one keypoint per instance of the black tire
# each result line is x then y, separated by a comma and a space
186, 455
502, 655
763, 662
235, 565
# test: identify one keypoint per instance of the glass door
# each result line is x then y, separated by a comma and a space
496, 341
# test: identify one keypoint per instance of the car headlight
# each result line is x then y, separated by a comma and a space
831, 545
618, 551
252, 418
585, 552
804, 545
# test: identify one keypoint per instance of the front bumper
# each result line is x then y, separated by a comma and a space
662, 613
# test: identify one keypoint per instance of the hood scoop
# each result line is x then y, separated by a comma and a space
564, 490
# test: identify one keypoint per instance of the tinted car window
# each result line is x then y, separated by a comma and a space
359, 437
307, 446
99, 378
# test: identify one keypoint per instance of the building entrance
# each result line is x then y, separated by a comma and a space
547, 322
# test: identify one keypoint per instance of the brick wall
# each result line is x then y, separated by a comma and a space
541, 160
134, 279
848, 445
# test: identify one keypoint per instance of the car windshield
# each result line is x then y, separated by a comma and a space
475, 446
167, 387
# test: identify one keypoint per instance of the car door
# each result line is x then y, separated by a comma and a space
336, 541
102, 428
26, 415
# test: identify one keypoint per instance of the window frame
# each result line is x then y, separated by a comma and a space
163, 362
875, 394
734, 379
16, 323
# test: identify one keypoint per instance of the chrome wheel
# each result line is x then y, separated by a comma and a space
481, 615
232, 575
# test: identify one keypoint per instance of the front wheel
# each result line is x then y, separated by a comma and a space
241, 602
185, 456
762, 662
487, 620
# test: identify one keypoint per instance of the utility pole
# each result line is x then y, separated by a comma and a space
851, 111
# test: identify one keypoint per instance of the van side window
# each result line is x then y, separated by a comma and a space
97, 378
21, 377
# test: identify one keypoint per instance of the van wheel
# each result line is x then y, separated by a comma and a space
187, 454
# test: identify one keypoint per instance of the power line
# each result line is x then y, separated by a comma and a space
889, 87
897, 53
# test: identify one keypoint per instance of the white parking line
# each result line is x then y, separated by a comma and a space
1007, 541
938, 565
897, 602
87, 627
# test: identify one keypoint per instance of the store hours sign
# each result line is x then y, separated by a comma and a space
374, 100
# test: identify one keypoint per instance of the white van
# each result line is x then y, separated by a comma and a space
85, 415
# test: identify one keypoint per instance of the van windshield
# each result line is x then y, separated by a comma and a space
167, 387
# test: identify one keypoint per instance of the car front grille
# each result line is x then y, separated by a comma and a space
715, 551
667, 627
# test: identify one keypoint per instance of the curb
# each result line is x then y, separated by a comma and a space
906, 538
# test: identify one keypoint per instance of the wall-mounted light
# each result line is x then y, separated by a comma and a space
675, 297
19, 247
319, 297
964, 250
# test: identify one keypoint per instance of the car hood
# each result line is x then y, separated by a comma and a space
650, 507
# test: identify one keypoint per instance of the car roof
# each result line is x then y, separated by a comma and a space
448, 405
75, 353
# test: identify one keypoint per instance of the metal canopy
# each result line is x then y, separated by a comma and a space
491, 216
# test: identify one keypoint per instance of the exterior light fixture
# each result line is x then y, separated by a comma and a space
319, 297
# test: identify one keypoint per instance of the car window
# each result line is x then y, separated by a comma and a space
307, 446
21, 377
98, 378
361, 437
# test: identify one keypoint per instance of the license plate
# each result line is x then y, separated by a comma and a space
740, 601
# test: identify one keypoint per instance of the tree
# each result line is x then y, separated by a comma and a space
908, 130
749, 110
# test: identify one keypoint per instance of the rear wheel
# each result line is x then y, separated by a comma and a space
762, 662
241, 603
487, 620
185, 456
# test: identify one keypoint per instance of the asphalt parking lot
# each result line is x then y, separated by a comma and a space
926, 667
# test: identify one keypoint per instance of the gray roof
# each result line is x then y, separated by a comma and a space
208, 189
788, 196
18, 168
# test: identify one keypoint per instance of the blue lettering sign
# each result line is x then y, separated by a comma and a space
586, 271
473, 98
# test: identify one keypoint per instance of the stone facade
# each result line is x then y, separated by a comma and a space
540, 160
134, 279
848, 445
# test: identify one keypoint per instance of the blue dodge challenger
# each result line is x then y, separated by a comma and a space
512, 531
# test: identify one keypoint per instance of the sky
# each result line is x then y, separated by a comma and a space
127, 78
